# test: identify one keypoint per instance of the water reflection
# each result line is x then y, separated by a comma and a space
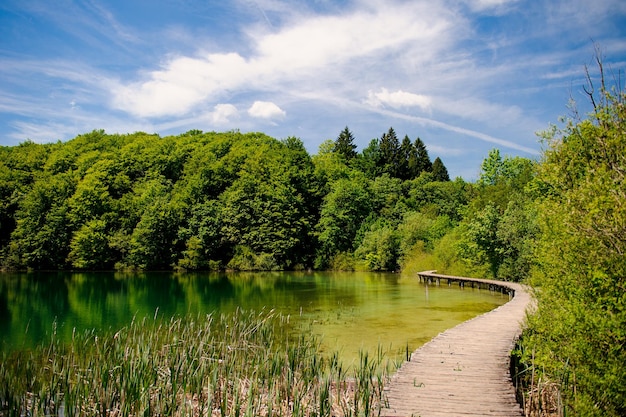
349, 310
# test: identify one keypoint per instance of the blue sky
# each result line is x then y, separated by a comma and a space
463, 75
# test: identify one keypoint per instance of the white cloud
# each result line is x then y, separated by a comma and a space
183, 83
224, 113
398, 99
266, 110
311, 49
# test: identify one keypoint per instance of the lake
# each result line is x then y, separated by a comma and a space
350, 311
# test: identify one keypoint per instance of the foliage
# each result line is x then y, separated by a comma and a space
143, 202
217, 201
578, 334
440, 172
344, 145
342, 212
378, 249
419, 161
499, 223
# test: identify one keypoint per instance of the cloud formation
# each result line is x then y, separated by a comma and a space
308, 46
266, 110
398, 99
224, 113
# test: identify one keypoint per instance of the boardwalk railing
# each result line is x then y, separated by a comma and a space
464, 371
432, 277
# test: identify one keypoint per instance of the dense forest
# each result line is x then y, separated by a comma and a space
250, 202
207, 201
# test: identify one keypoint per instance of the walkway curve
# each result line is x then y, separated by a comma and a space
464, 371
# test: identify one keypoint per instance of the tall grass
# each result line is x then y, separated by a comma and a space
242, 364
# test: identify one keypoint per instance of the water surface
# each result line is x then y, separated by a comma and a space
350, 311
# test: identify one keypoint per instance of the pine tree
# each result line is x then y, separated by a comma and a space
389, 150
420, 162
440, 172
406, 152
344, 144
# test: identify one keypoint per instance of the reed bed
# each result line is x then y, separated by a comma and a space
240, 364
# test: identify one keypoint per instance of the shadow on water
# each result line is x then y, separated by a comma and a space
350, 311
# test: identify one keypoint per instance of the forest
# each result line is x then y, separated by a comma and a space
235, 201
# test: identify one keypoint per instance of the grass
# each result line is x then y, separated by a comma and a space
242, 364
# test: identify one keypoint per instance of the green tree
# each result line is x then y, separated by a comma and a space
419, 227
204, 246
92, 198
369, 161
491, 169
420, 161
267, 209
389, 153
344, 144
440, 172
343, 210
448, 198
89, 247
42, 233
406, 152
378, 250
153, 238
516, 236
510, 174
387, 195
482, 245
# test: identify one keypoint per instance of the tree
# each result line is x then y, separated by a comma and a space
440, 172
369, 161
379, 248
406, 153
91, 199
343, 211
344, 145
516, 236
90, 246
267, 210
491, 169
482, 245
448, 198
203, 237
389, 153
420, 161
42, 234
153, 239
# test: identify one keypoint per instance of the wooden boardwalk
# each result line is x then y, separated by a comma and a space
464, 371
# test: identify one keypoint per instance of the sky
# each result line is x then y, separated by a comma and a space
465, 76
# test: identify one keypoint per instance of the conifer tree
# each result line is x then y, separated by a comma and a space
406, 152
440, 172
420, 162
344, 145
389, 150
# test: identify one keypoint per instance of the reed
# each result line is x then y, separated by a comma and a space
241, 364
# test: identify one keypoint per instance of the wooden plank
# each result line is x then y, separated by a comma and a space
464, 371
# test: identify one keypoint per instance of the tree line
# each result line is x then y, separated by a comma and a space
234, 201
207, 201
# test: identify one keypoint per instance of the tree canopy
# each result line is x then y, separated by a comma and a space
197, 201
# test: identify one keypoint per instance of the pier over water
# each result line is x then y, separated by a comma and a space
464, 371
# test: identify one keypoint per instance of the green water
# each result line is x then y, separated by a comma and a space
350, 311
